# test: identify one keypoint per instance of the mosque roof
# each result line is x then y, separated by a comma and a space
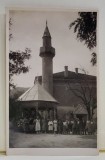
37, 93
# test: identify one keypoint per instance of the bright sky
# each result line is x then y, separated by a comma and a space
28, 28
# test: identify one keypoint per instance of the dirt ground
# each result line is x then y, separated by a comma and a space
23, 140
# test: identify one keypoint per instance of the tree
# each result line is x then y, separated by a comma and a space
94, 58
17, 60
17, 63
85, 91
16, 66
13, 107
10, 25
85, 28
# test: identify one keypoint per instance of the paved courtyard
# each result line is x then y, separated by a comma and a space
22, 140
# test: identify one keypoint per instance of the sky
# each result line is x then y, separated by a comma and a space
27, 30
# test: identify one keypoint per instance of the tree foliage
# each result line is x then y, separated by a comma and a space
17, 60
17, 63
10, 25
85, 28
94, 58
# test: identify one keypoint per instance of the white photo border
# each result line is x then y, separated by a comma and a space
44, 151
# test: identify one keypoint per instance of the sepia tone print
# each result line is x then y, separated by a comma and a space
52, 79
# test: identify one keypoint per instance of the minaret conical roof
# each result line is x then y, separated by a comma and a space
47, 50
46, 32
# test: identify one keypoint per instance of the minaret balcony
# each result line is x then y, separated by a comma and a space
47, 51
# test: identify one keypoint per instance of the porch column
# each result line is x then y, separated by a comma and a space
55, 113
36, 111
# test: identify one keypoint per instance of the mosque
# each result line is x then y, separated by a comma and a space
58, 95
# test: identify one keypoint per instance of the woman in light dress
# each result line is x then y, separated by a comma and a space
37, 125
50, 126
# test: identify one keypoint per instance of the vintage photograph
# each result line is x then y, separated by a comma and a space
52, 79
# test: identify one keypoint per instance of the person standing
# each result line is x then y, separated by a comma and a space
65, 127
83, 126
44, 125
74, 127
88, 127
26, 125
50, 126
37, 126
55, 126
60, 126
78, 127
72, 122
92, 127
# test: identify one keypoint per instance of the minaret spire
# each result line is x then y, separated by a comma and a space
47, 52
46, 23
46, 31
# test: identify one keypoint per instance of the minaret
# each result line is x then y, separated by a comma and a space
47, 52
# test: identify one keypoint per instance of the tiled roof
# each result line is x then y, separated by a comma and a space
71, 75
80, 109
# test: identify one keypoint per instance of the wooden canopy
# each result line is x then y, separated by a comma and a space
37, 96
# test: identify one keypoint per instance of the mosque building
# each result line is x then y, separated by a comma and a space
58, 95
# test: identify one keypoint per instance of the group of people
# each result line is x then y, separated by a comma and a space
58, 126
